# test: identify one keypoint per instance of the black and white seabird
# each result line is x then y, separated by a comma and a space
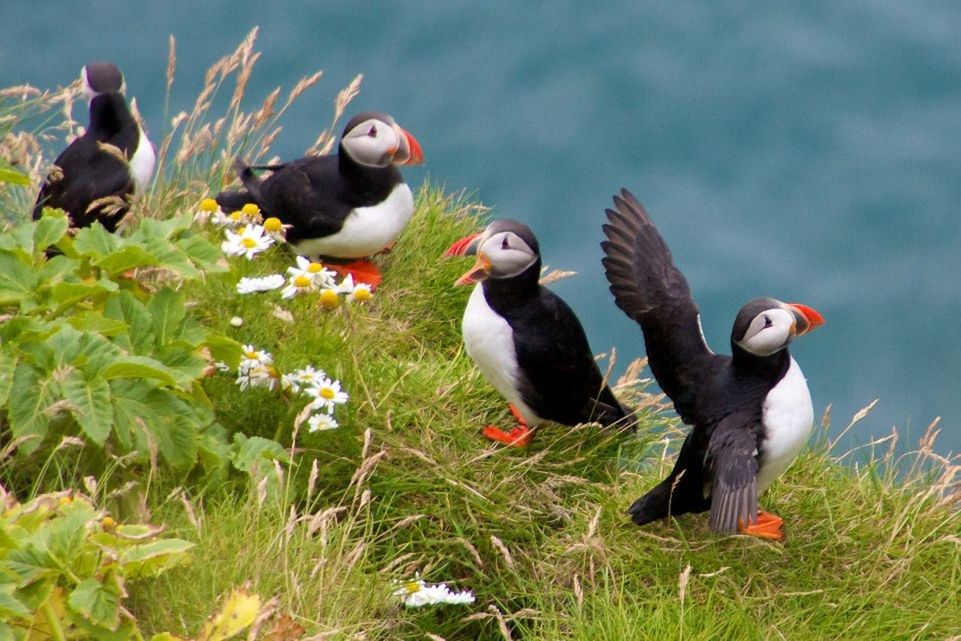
750, 413
112, 158
347, 206
525, 340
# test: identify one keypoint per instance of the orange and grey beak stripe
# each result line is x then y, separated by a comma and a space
808, 317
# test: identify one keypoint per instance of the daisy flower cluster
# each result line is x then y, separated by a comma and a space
307, 277
325, 395
247, 232
416, 594
256, 369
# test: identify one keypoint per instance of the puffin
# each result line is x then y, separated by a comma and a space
113, 158
750, 413
525, 340
347, 206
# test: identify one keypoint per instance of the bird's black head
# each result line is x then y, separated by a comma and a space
505, 249
101, 77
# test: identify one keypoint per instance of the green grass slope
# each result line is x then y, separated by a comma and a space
408, 486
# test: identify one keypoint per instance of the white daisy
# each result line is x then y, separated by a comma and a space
276, 229
360, 293
303, 378
249, 242
299, 284
253, 358
326, 394
258, 376
322, 423
417, 593
321, 276
249, 285
329, 298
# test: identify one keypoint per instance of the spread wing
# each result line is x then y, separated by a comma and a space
649, 288
732, 462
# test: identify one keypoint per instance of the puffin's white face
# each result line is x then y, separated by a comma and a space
507, 254
89, 92
769, 331
376, 143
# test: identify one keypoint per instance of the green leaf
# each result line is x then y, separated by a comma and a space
66, 293
126, 258
168, 311
48, 231
6, 632
223, 348
17, 280
8, 364
95, 241
30, 396
11, 606
140, 337
98, 323
97, 603
92, 400
13, 177
156, 418
139, 367
254, 453
150, 559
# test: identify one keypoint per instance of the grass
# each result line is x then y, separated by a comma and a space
408, 486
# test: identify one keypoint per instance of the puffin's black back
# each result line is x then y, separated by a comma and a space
561, 380
89, 172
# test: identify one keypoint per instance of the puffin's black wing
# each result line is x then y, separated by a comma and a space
649, 288
563, 382
88, 173
732, 462
307, 194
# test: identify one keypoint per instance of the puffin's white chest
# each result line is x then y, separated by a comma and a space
142, 163
489, 341
367, 230
788, 417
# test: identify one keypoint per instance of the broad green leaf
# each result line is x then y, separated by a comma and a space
98, 323
140, 337
30, 396
240, 609
17, 280
150, 559
168, 311
203, 253
91, 398
97, 603
157, 418
223, 348
95, 241
31, 564
8, 364
254, 453
139, 367
126, 258
6, 632
67, 293
11, 606
48, 231
13, 177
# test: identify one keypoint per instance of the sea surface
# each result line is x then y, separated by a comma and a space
808, 151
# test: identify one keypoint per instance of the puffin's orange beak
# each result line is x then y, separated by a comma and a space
414, 154
808, 318
478, 272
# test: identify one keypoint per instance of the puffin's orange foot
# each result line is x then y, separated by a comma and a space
520, 436
767, 526
362, 271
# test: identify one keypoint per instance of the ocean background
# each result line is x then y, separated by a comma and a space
808, 151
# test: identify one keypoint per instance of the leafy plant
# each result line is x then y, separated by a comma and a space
64, 565
96, 341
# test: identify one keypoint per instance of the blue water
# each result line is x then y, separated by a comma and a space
808, 151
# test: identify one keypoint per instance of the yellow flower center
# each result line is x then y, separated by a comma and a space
327, 392
273, 224
235, 215
302, 281
314, 268
362, 294
249, 243
251, 209
208, 204
412, 587
252, 356
329, 299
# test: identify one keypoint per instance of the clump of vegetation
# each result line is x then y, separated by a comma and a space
333, 526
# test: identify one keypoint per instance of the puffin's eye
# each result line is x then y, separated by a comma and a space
767, 322
372, 132
505, 244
